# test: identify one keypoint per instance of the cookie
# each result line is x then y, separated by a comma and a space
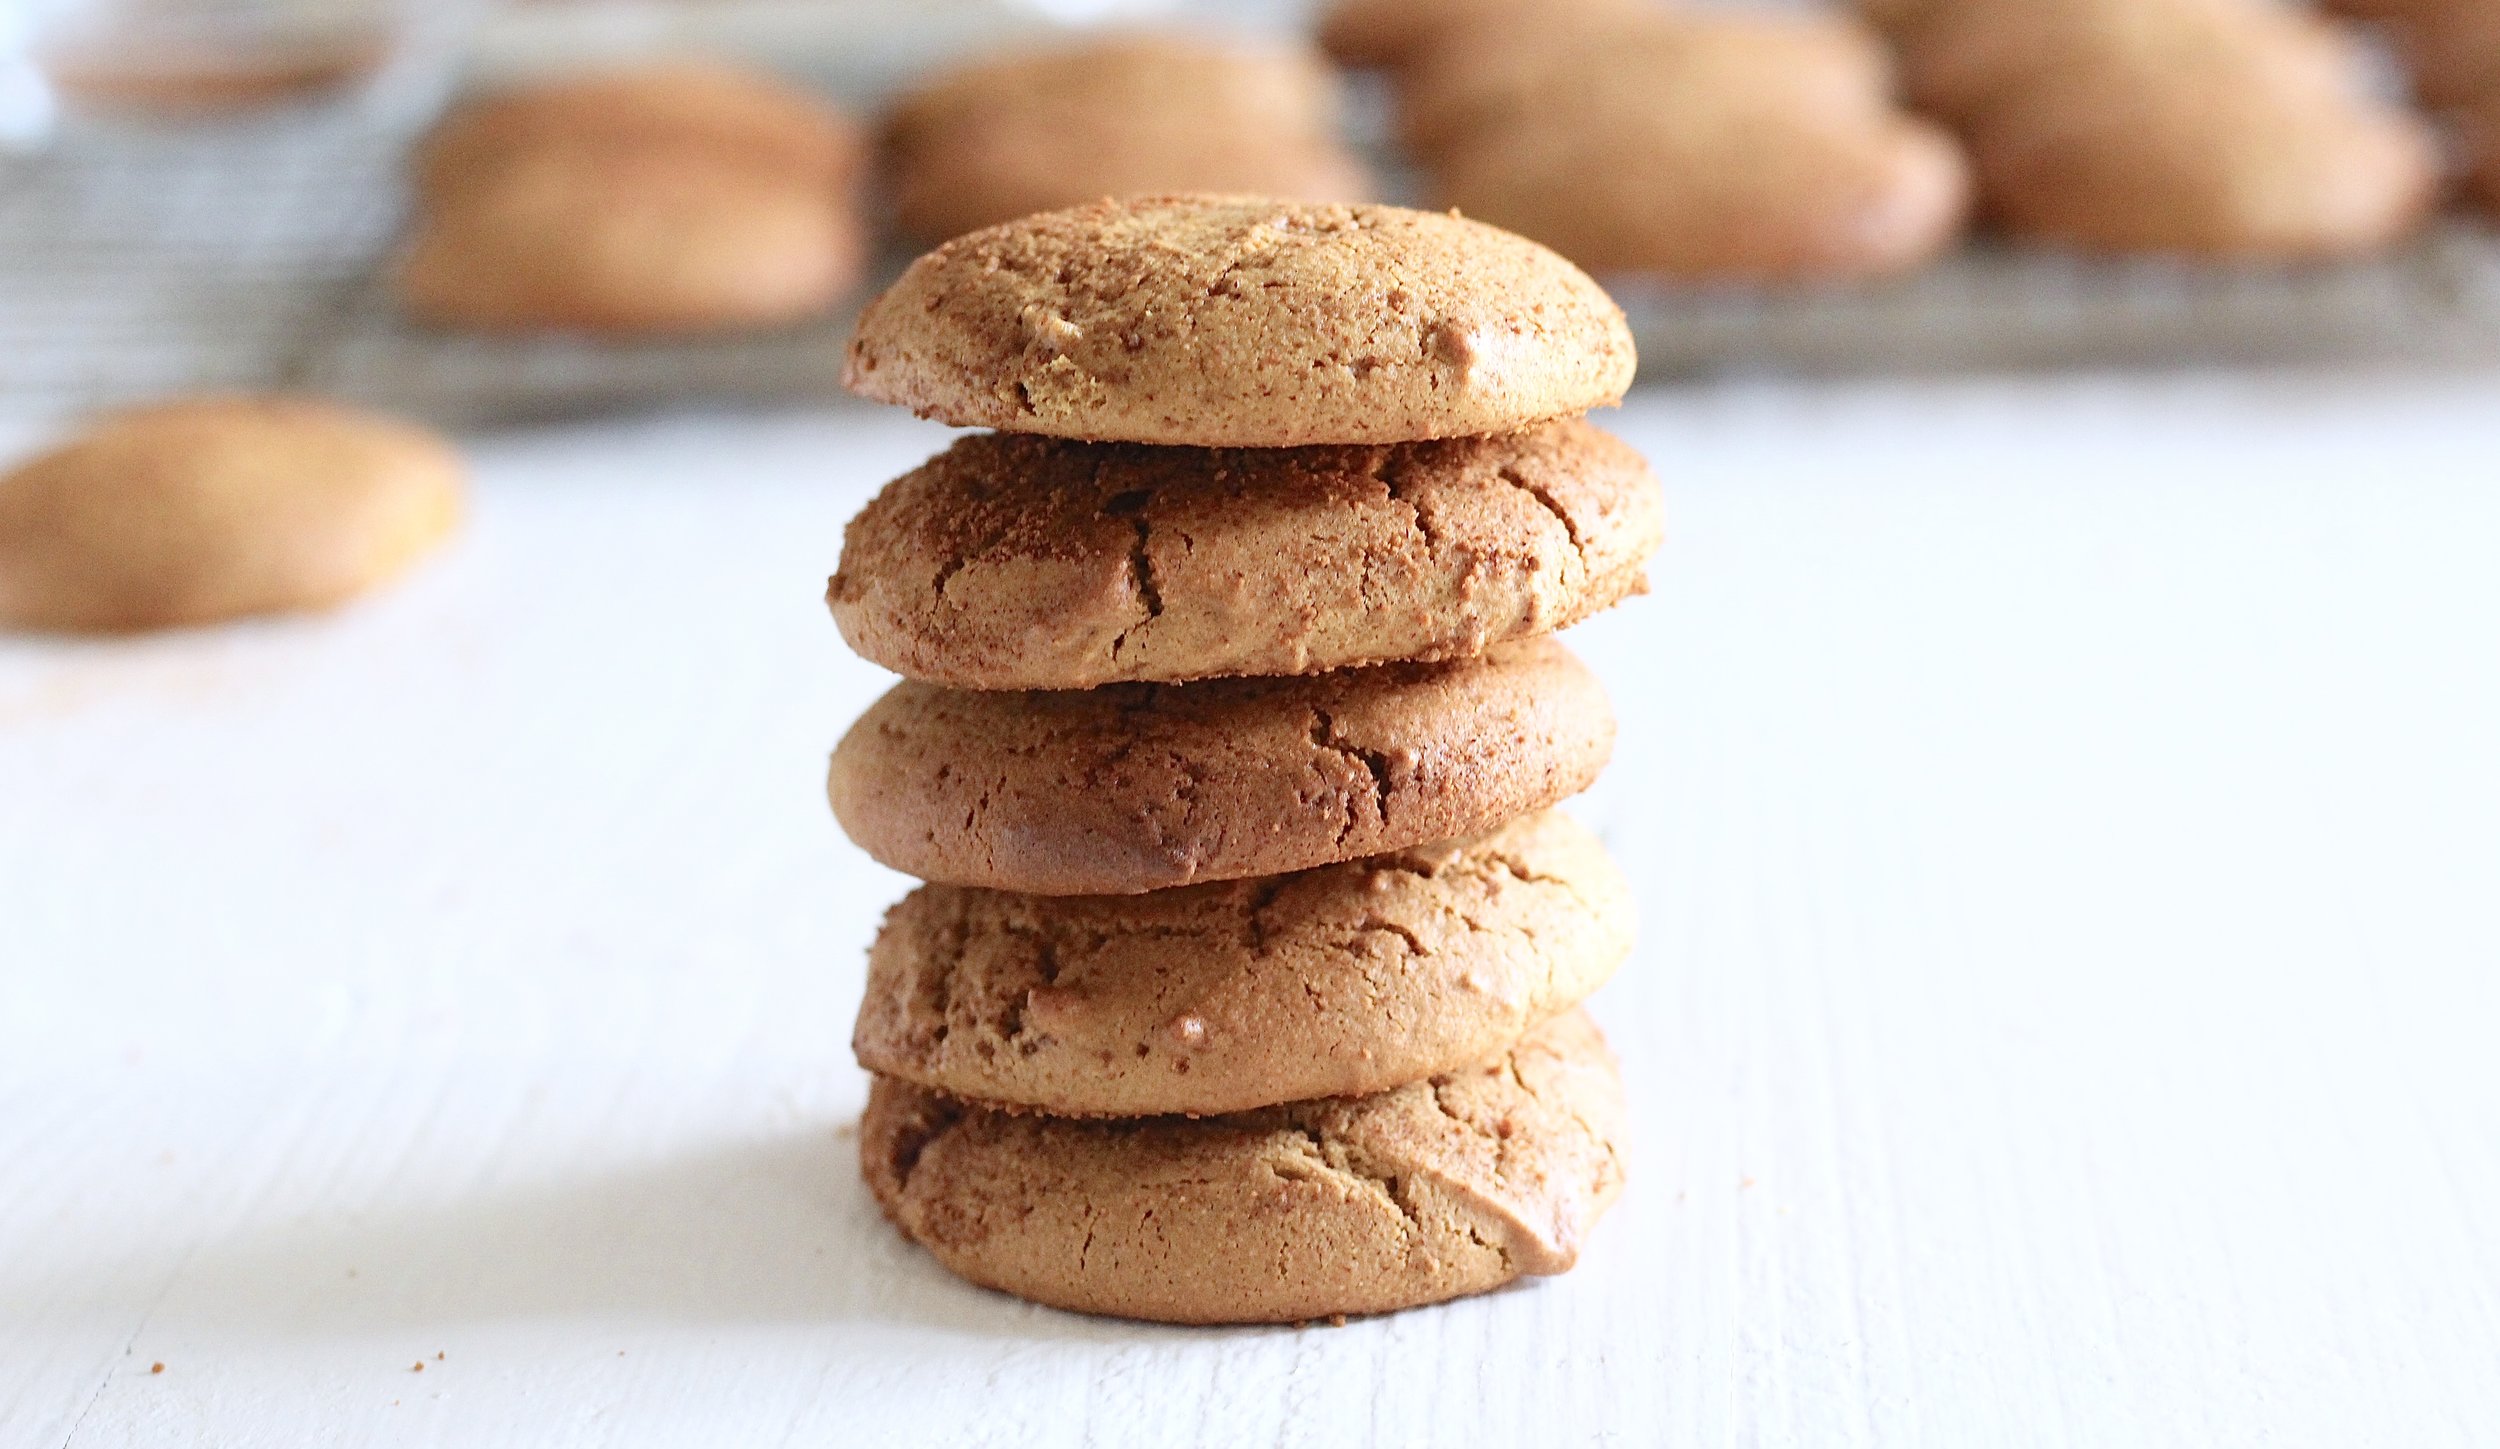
215, 508
1474, 86
1975, 59
2252, 171
1124, 115
1336, 982
658, 239
995, 168
1364, 1205
1394, 33
1235, 322
1136, 787
1733, 186
739, 117
1012, 562
99, 79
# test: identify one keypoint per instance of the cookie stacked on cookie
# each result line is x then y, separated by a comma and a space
1245, 984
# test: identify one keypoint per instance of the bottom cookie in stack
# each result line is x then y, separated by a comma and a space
1350, 1089
1433, 1191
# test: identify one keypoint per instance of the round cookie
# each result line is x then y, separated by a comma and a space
993, 168
216, 508
1736, 186
657, 239
1336, 982
2253, 170
1013, 562
1136, 787
1236, 322
741, 117
1980, 59
1543, 74
1124, 115
1363, 1205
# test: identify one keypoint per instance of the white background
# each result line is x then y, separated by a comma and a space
2068, 823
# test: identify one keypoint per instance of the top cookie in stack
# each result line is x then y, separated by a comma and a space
1246, 984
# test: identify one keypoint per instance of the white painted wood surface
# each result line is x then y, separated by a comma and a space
2069, 821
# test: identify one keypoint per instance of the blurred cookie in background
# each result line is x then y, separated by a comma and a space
1125, 114
1723, 148
213, 508
1511, 67
1392, 34
674, 198
645, 240
2223, 129
2255, 169
1968, 60
758, 120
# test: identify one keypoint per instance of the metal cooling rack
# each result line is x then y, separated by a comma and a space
135, 263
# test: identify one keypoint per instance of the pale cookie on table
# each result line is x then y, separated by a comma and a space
656, 239
1013, 562
1238, 322
208, 509
739, 117
1136, 787
1127, 114
1363, 1205
1335, 982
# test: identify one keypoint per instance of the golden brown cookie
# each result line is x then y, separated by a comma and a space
215, 508
1737, 186
653, 239
1235, 322
1483, 86
1136, 787
1976, 59
1340, 981
2251, 170
1393, 33
1123, 115
1363, 1205
739, 117
1012, 562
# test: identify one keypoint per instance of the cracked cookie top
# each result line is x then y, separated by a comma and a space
1238, 322
1364, 1205
1136, 787
1340, 981
1012, 562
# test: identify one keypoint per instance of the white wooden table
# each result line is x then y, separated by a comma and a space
2068, 816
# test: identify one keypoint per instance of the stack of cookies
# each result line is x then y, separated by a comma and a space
1245, 985
1121, 114
2214, 128
668, 198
